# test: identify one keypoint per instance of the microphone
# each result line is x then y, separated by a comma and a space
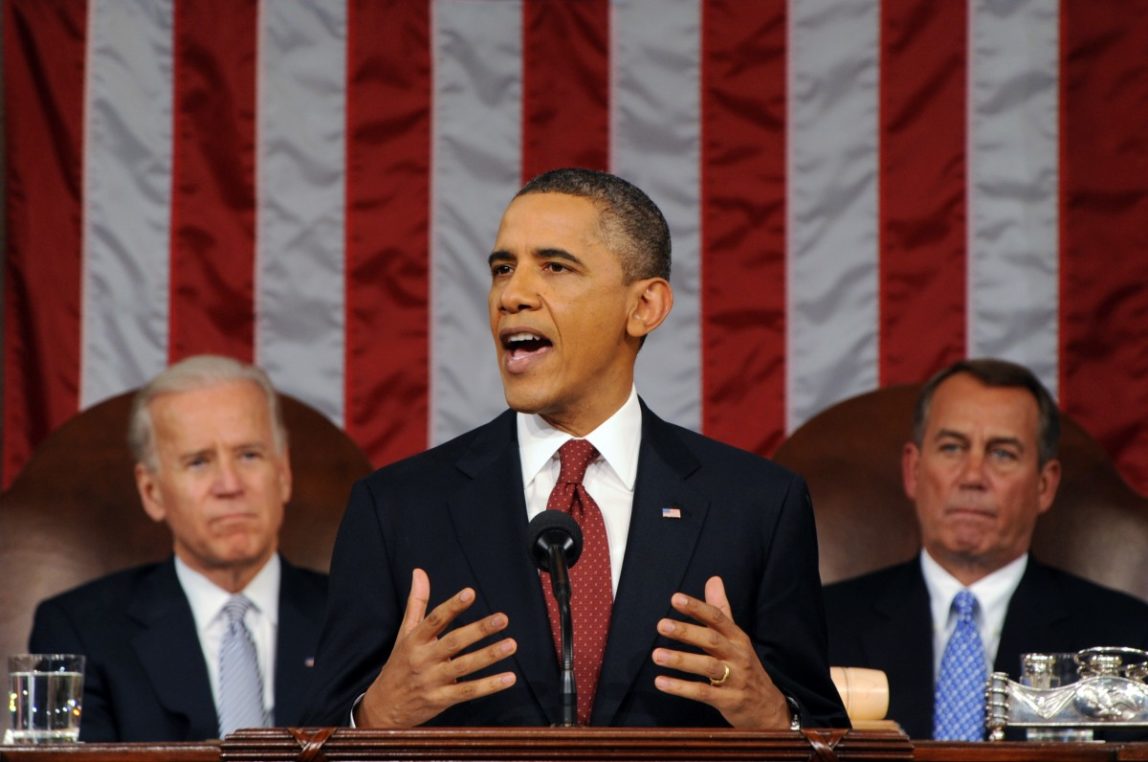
555, 545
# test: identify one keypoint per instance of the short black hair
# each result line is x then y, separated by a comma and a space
633, 226
997, 373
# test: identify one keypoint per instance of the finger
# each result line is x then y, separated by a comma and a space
707, 614
468, 690
716, 597
467, 664
692, 689
707, 639
443, 614
416, 601
709, 667
458, 640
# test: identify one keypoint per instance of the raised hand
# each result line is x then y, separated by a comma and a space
425, 671
736, 683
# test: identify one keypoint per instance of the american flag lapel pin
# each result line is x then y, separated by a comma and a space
671, 512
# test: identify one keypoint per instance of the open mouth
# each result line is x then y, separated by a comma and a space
522, 347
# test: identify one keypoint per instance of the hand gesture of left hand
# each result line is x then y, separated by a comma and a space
737, 685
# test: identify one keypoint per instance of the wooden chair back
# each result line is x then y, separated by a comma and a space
73, 513
851, 456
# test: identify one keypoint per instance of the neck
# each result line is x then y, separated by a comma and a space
233, 577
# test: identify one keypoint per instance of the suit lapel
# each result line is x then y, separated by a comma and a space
489, 516
299, 621
653, 568
903, 616
170, 652
1035, 606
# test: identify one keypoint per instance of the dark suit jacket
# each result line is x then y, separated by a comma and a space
882, 620
458, 511
145, 677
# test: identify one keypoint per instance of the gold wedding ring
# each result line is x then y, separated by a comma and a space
721, 680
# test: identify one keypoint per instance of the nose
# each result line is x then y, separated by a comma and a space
518, 292
227, 481
973, 469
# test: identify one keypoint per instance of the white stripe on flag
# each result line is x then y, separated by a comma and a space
476, 154
127, 193
655, 128
299, 273
1013, 151
832, 267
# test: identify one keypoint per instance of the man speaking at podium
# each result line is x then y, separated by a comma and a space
696, 600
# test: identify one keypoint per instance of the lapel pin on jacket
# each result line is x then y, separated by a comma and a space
671, 512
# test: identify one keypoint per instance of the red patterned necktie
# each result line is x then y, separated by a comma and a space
592, 592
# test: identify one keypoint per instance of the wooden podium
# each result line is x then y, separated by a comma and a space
490, 744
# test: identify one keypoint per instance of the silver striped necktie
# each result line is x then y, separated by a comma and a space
240, 684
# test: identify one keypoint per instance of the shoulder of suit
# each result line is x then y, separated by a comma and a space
714, 453
107, 591
446, 455
879, 579
1085, 591
302, 576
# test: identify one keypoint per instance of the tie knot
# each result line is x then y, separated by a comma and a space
235, 608
965, 604
575, 456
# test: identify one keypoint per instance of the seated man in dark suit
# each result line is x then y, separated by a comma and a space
981, 468
696, 599
223, 634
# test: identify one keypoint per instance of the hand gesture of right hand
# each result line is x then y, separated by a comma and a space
424, 674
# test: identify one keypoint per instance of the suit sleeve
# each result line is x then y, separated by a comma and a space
790, 632
364, 610
54, 631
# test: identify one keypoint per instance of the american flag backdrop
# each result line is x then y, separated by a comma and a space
860, 191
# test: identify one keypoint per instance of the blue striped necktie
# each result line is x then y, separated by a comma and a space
959, 711
240, 684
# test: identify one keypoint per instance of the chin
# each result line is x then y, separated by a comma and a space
523, 400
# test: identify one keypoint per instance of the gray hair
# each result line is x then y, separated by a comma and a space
1001, 374
191, 374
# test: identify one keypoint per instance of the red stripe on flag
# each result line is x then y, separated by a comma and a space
213, 183
923, 173
565, 85
1104, 228
44, 65
743, 222
387, 219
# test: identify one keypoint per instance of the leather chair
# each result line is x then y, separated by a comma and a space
73, 513
851, 456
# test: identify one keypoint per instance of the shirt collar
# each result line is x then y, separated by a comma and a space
992, 591
207, 598
618, 440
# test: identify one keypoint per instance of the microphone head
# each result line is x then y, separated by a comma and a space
554, 528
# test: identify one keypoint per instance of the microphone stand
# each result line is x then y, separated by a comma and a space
560, 584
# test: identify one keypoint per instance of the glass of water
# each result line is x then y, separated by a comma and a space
45, 696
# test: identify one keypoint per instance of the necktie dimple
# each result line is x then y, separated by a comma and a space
592, 590
959, 709
240, 684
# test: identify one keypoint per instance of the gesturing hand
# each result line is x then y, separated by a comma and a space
423, 675
737, 685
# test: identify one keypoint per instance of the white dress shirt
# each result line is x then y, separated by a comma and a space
993, 594
609, 479
262, 620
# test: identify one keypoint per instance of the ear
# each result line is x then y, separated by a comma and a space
284, 476
150, 494
653, 298
1048, 484
910, 461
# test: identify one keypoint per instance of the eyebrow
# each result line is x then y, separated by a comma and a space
501, 255
993, 441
